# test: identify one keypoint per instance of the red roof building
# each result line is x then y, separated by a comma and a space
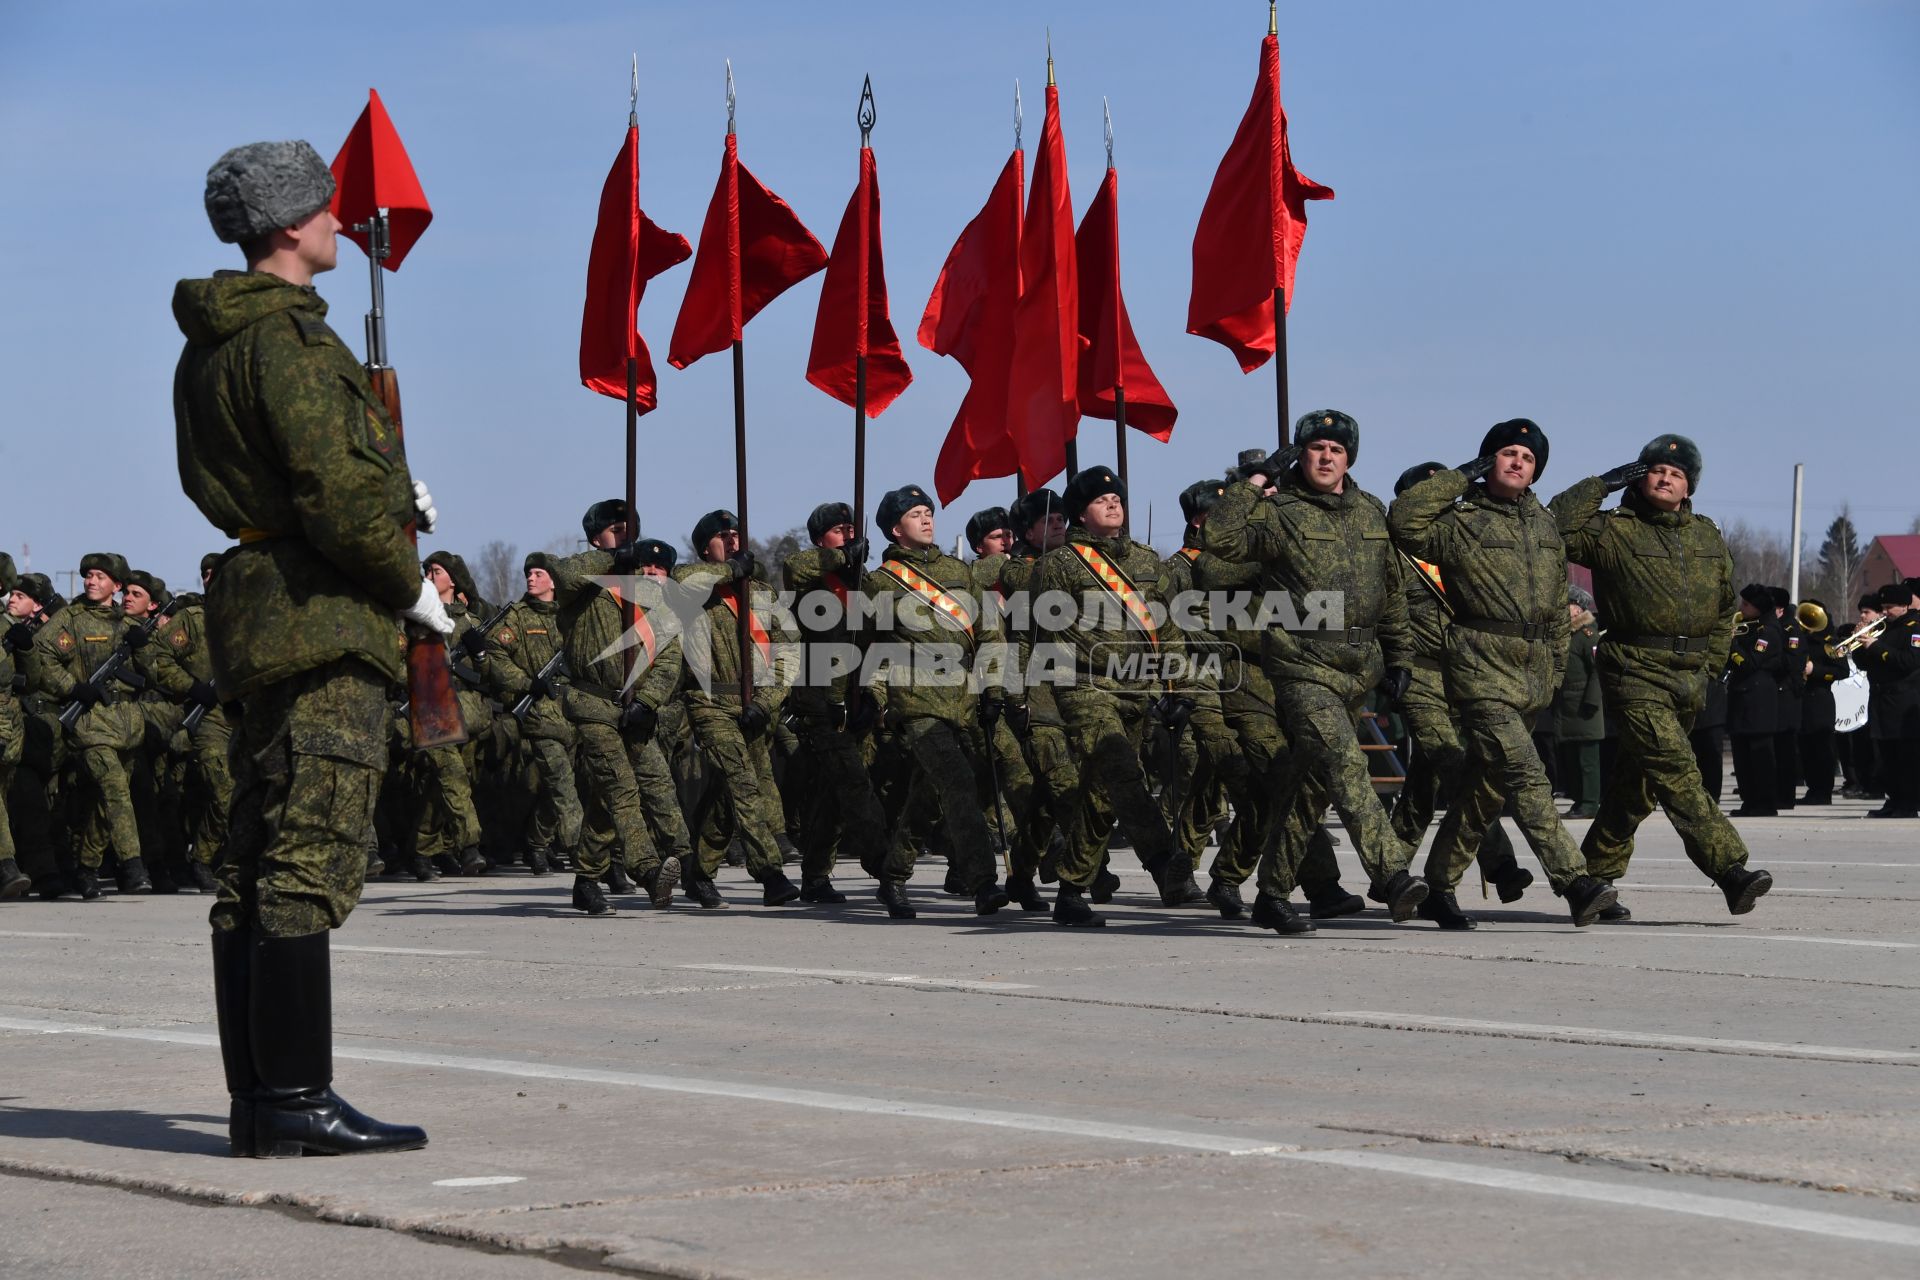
1890, 558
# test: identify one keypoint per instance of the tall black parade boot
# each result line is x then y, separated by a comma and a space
232, 981
296, 1112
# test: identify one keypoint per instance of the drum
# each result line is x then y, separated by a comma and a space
1850, 703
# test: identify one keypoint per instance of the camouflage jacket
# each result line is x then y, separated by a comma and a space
938, 647
1244, 685
522, 643
471, 683
1665, 587
822, 627
76, 639
1505, 567
1324, 551
1018, 573
283, 445
712, 640
180, 655
592, 625
1113, 647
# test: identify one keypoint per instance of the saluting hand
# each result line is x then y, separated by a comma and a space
1478, 469
1621, 477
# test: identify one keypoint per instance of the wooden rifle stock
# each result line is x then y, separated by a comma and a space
433, 709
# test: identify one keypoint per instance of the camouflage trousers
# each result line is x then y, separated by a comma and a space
1020, 799
108, 817
612, 803
1324, 765
1056, 792
740, 798
1654, 764
842, 814
309, 753
1105, 731
557, 815
659, 798
211, 777
1259, 806
444, 816
944, 767
1438, 768
1502, 764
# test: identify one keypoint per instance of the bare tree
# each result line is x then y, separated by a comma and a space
1759, 555
497, 571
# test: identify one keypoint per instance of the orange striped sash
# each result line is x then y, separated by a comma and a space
1125, 592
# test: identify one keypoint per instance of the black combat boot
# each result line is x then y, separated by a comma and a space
953, 884
1403, 896
696, 884
1587, 898
161, 880
1023, 892
446, 864
13, 881
536, 862
1616, 913
893, 893
1105, 885
1744, 888
201, 876
1071, 910
661, 882
232, 981
821, 892
1184, 891
589, 897
1278, 915
1332, 901
776, 890
423, 869
133, 876
616, 878
1511, 884
472, 861
989, 898
290, 1025
1441, 908
86, 883
1226, 897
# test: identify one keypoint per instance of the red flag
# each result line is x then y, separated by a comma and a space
752, 250
628, 251
852, 320
970, 317
1113, 359
1251, 227
1043, 385
372, 172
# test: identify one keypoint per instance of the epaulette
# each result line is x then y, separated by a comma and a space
1621, 513
314, 330
1708, 521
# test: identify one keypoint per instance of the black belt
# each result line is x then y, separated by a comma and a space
1672, 644
597, 690
1355, 636
1513, 630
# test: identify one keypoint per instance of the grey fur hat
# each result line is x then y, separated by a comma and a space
263, 186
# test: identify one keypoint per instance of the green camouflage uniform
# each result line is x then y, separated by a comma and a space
445, 820
525, 640
1505, 656
105, 739
1665, 583
1056, 775
284, 445
842, 811
928, 687
180, 657
1191, 782
592, 626
1322, 548
13, 720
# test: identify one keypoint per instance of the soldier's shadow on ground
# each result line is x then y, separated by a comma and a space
126, 1130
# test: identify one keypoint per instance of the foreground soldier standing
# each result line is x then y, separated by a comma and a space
284, 446
1665, 585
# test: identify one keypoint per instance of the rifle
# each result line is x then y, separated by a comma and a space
114, 663
433, 712
527, 699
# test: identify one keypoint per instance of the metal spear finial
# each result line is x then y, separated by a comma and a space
1273, 17
1107, 111
1050, 57
867, 115
633, 95
729, 97
1019, 116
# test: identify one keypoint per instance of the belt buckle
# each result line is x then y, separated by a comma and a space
1355, 636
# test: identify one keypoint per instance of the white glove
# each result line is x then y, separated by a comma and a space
426, 515
429, 612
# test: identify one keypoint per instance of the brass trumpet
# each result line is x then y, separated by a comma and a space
1861, 636
1811, 617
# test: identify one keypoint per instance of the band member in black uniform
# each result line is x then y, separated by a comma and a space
1753, 700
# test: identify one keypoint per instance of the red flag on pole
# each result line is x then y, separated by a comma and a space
752, 249
628, 250
970, 317
1043, 384
1113, 359
372, 172
1251, 227
852, 320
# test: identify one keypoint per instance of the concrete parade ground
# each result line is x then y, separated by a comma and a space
821, 1092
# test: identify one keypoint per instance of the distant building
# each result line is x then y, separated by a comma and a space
1890, 558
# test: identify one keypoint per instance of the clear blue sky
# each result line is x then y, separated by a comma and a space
1614, 219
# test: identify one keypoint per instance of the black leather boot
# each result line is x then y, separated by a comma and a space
1587, 898
536, 862
1332, 901
1511, 884
133, 876
13, 881
989, 898
232, 981
202, 877
1278, 915
1618, 912
1105, 885
1444, 911
1226, 898
695, 884
661, 882
820, 892
776, 890
472, 861
423, 869
1025, 894
1744, 888
1403, 896
616, 879
1070, 909
290, 1025
589, 897
893, 893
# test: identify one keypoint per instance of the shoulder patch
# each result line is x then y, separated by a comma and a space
178, 638
64, 641
379, 435
504, 635
314, 330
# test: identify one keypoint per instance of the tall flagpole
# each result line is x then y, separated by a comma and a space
1279, 290
1120, 376
1019, 120
1073, 445
740, 436
633, 400
865, 116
